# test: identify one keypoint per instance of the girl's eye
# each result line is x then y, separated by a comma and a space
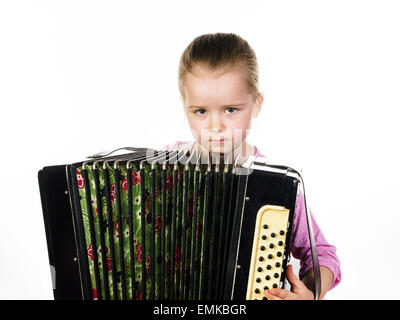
200, 111
230, 110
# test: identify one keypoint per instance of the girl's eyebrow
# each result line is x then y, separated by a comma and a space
224, 106
234, 105
195, 107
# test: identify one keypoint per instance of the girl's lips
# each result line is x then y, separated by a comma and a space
218, 141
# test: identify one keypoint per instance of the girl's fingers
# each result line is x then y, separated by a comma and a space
295, 282
271, 297
278, 294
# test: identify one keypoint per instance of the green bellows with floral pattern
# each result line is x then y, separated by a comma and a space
153, 232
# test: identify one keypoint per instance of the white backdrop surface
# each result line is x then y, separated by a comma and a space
78, 77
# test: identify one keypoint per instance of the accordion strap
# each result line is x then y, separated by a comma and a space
108, 152
317, 272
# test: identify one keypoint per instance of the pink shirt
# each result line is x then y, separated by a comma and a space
300, 244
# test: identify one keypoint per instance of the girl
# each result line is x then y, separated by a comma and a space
218, 83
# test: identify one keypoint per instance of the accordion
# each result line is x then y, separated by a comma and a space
167, 225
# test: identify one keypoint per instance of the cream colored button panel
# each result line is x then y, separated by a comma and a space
268, 250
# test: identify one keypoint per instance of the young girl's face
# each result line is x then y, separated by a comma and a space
219, 107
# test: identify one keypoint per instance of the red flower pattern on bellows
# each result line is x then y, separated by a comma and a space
139, 255
135, 177
109, 264
113, 192
158, 224
94, 292
148, 264
124, 184
90, 252
79, 178
139, 295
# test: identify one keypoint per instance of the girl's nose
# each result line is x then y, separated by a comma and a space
215, 124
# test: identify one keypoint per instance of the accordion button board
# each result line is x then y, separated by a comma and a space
267, 254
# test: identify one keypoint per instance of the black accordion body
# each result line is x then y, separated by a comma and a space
130, 227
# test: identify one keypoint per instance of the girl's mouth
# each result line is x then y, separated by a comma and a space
218, 141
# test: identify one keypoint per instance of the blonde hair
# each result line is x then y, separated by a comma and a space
216, 50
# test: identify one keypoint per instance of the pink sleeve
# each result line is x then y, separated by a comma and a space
171, 146
176, 145
300, 244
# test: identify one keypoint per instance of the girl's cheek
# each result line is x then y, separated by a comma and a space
239, 124
244, 123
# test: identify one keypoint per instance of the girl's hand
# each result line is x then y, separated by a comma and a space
299, 290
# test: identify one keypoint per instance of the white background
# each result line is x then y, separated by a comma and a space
78, 77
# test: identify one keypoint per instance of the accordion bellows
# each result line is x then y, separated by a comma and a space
126, 228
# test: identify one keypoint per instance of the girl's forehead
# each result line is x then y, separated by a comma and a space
224, 85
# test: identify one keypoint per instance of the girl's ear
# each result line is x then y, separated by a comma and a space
258, 104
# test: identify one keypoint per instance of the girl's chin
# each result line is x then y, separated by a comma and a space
222, 148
